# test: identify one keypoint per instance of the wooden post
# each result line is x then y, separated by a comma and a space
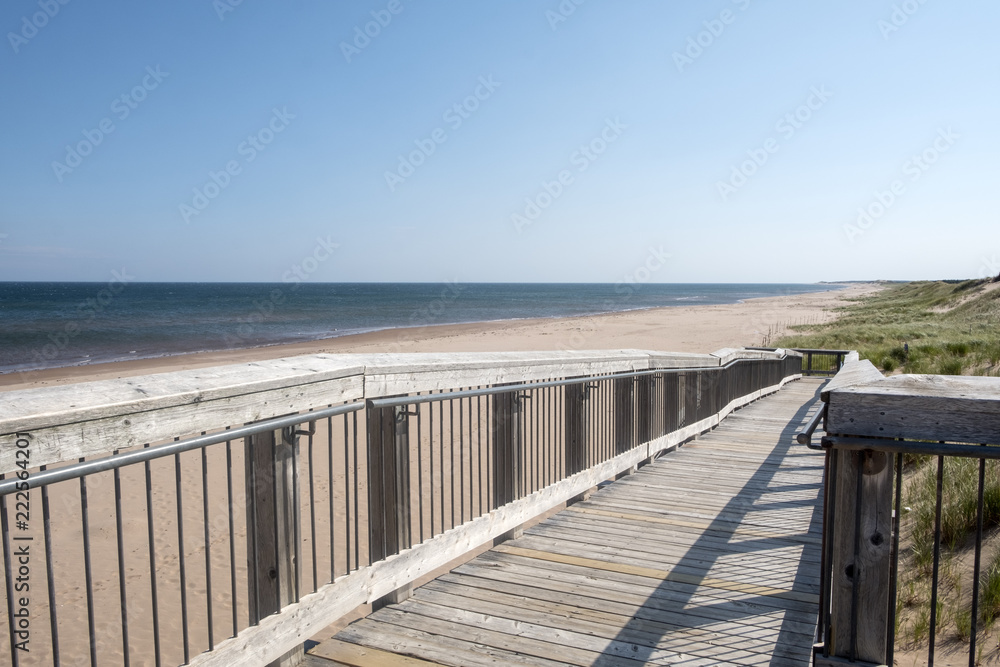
697, 396
624, 419
644, 408
388, 481
576, 398
389, 489
506, 426
272, 516
681, 400
624, 415
867, 476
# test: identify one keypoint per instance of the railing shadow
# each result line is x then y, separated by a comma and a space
741, 508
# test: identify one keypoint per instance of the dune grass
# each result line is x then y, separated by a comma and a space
951, 328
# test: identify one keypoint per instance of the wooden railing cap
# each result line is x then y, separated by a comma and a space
42, 407
853, 373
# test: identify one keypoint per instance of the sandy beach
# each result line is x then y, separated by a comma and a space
675, 329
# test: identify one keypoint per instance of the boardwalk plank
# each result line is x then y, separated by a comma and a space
707, 556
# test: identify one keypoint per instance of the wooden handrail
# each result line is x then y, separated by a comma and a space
68, 422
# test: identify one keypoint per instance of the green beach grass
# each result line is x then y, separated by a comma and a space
950, 327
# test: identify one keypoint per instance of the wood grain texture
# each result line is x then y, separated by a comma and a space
852, 373
120, 425
707, 556
873, 472
95, 418
919, 407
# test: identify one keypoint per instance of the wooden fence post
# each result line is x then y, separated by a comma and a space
576, 428
862, 508
272, 519
389, 489
388, 480
506, 427
644, 408
681, 400
624, 415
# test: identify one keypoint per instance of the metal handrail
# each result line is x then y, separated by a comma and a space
78, 470
990, 451
804, 437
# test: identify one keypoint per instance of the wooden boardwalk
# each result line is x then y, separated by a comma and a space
708, 556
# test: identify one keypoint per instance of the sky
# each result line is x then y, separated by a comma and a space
514, 141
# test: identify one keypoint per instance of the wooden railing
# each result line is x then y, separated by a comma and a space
223, 516
871, 421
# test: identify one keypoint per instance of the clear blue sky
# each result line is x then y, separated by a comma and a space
185, 86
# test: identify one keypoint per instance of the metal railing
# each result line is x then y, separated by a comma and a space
887, 448
164, 554
822, 362
191, 551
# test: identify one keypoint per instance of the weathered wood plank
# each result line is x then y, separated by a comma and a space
441, 647
573, 579
675, 635
103, 428
661, 575
88, 419
919, 407
853, 373
353, 655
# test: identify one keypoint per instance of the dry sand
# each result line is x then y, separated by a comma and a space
701, 329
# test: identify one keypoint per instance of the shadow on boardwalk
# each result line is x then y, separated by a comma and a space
753, 499
709, 556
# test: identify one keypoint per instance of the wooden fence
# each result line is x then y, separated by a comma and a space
223, 516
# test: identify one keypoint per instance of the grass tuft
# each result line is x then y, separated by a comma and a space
989, 590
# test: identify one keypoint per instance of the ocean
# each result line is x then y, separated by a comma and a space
47, 325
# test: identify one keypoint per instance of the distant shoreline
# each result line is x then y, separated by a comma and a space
62, 325
680, 328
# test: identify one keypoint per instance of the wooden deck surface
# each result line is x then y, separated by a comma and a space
708, 556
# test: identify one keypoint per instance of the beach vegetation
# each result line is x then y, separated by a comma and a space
945, 327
